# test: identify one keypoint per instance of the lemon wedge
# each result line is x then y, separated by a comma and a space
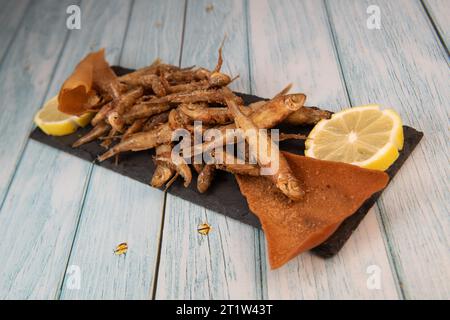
56, 123
364, 136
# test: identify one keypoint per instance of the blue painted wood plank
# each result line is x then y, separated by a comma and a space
155, 31
403, 65
118, 209
439, 11
11, 16
225, 264
37, 223
43, 203
25, 73
290, 41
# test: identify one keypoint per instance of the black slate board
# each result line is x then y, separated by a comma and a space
223, 196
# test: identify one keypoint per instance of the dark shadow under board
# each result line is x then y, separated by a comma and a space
223, 196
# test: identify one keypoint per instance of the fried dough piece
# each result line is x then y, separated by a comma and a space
334, 192
92, 73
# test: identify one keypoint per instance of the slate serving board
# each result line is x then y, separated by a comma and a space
223, 196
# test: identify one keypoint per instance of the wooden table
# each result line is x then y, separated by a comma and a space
61, 217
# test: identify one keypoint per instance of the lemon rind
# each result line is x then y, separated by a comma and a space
61, 127
380, 160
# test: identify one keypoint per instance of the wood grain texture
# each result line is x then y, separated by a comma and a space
11, 16
59, 227
291, 42
155, 31
222, 265
439, 11
118, 209
37, 223
405, 67
25, 73
225, 264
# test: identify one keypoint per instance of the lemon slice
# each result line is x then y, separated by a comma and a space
56, 123
364, 136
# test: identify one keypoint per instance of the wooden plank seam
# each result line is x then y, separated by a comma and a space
394, 268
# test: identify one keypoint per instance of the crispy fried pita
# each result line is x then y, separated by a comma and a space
93, 72
334, 191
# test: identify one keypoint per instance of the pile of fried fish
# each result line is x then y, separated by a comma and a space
299, 205
142, 109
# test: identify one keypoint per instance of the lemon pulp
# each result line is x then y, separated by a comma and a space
56, 123
365, 136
